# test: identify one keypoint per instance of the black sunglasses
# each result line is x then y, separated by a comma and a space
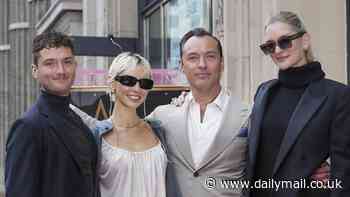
284, 42
130, 81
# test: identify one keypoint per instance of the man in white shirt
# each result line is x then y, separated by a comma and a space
206, 136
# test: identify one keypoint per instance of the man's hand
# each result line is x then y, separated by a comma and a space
179, 101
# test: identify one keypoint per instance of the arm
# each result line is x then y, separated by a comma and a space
23, 161
86, 118
340, 146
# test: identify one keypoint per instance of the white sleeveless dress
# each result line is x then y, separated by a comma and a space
125, 173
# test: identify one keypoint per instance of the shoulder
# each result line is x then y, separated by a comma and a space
239, 106
267, 83
330, 88
103, 126
164, 108
154, 123
334, 85
27, 129
163, 112
263, 86
157, 128
31, 120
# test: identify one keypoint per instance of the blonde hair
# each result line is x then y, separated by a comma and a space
124, 62
296, 25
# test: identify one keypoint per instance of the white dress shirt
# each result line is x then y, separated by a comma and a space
202, 134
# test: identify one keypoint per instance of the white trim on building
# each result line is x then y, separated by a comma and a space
5, 47
19, 25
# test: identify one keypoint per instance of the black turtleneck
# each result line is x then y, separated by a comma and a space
282, 101
59, 104
75, 129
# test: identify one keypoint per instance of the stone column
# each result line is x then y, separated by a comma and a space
94, 24
123, 17
245, 66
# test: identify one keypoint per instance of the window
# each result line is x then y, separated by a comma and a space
155, 39
165, 24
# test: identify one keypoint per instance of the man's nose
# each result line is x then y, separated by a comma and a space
202, 62
60, 68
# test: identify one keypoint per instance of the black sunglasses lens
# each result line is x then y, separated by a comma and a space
131, 81
284, 43
268, 48
146, 84
127, 80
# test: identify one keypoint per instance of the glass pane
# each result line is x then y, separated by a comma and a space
182, 16
155, 39
91, 71
179, 17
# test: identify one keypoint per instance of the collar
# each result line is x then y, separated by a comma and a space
57, 103
219, 101
301, 76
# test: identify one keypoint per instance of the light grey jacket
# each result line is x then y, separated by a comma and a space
225, 159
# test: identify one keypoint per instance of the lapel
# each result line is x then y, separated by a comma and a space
310, 101
177, 123
59, 127
256, 119
235, 115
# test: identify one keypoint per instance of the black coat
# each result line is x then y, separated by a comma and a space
319, 128
45, 159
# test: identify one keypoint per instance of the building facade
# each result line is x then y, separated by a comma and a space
103, 28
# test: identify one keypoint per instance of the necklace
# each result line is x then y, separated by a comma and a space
124, 128
128, 127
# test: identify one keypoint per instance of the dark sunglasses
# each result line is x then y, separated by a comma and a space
284, 42
130, 81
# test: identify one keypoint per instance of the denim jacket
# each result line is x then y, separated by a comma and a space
100, 127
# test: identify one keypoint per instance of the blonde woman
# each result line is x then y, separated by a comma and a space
132, 160
299, 119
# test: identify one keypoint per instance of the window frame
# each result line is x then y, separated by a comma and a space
148, 11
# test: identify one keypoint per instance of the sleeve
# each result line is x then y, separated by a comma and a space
23, 161
86, 118
257, 91
153, 114
340, 148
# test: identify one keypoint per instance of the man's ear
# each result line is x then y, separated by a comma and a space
181, 65
34, 71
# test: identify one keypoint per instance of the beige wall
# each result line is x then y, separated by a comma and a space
245, 65
124, 18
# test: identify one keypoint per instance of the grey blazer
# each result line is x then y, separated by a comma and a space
225, 159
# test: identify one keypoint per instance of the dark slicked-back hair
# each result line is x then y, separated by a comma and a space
50, 40
198, 32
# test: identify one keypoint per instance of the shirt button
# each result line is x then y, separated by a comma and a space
195, 174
